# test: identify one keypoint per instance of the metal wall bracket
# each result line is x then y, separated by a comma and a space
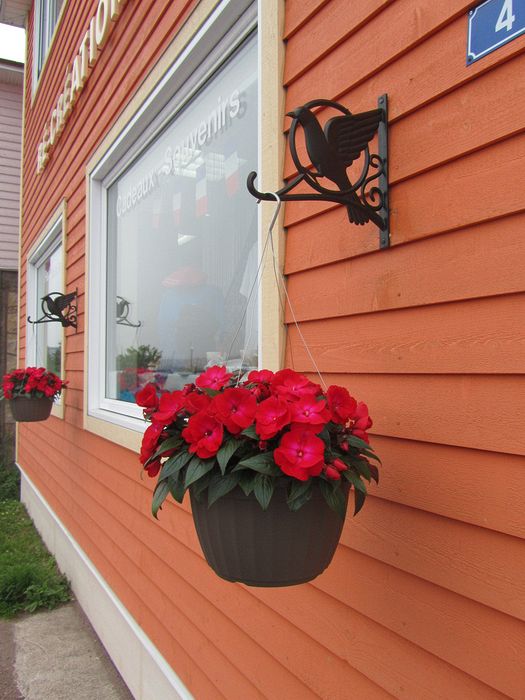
332, 149
60, 308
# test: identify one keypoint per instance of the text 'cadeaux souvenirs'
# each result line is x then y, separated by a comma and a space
184, 158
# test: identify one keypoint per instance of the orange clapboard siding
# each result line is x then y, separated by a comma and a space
452, 410
480, 336
442, 269
484, 643
415, 474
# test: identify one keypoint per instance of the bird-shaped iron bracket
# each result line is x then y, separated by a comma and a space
332, 149
123, 313
59, 307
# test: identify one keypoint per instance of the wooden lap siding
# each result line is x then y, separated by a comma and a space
425, 598
429, 333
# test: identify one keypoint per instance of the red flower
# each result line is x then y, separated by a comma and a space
150, 441
235, 408
214, 378
300, 454
195, 402
154, 468
271, 416
264, 375
147, 397
361, 421
331, 473
311, 412
340, 403
169, 406
204, 435
339, 465
292, 386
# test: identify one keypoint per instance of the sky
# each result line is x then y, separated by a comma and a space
12, 43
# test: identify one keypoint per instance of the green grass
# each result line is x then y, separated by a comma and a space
29, 578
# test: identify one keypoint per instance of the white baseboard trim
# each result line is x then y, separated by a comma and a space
144, 670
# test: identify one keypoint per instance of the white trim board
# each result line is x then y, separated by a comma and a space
142, 667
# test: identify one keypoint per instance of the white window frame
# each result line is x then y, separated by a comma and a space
43, 35
232, 20
52, 237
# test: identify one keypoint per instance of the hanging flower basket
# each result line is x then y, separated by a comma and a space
28, 410
31, 392
269, 461
272, 547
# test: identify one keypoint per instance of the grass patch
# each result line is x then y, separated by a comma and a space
29, 578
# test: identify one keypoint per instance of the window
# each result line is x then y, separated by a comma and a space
45, 274
46, 18
173, 264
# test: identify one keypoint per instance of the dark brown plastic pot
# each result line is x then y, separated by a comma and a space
29, 410
276, 547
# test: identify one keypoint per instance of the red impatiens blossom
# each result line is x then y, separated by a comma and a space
311, 413
341, 404
153, 468
235, 408
292, 386
204, 434
169, 405
258, 376
361, 422
334, 469
148, 398
300, 454
195, 402
213, 378
271, 416
35, 381
150, 442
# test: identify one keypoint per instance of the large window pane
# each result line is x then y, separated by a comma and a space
182, 242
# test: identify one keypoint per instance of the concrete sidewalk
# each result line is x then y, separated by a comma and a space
56, 655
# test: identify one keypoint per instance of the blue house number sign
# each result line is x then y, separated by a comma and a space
492, 24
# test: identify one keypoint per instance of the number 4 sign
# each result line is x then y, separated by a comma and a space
492, 24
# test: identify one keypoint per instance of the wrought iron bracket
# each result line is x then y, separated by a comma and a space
123, 313
331, 150
58, 307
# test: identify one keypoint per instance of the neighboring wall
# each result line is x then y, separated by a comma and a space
11, 97
11, 92
428, 588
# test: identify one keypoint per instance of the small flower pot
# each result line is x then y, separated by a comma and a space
273, 547
30, 409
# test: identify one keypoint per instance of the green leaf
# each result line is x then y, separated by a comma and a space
174, 464
247, 481
159, 496
250, 432
363, 468
374, 471
300, 492
199, 486
196, 468
172, 443
226, 452
263, 490
354, 479
262, 463
220, 486
176, 486
334, 496
359, 498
